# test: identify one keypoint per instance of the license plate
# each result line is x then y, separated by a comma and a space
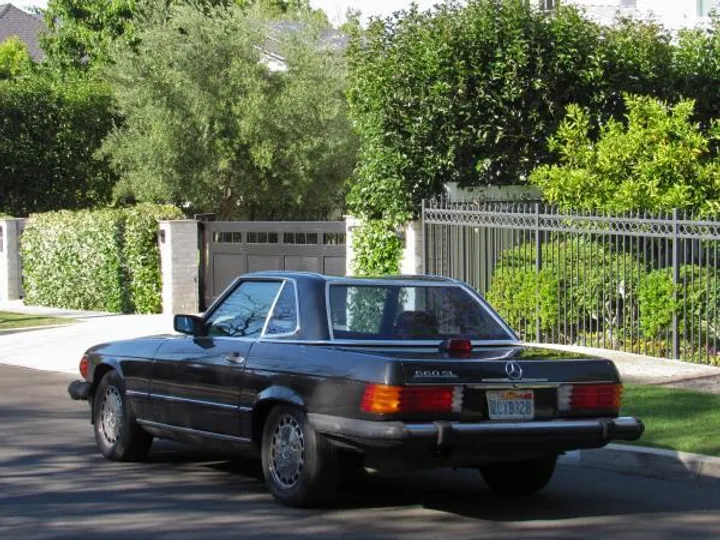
511, 405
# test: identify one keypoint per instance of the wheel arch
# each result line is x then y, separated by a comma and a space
268, 399
99, 371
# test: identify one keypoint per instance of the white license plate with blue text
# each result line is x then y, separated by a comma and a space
511, 405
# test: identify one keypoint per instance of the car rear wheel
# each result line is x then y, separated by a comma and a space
300, 466
117, 434
519, 478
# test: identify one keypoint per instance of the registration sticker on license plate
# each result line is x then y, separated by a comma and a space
511, 405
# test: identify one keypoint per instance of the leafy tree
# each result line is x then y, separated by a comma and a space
49, 131
461, 93
658, 159
637, 58
696, 61
207, 123
83, 31
471, 93
15, 59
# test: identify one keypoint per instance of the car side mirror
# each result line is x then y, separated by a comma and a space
191, 325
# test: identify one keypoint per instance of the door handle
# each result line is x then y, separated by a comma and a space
234, 358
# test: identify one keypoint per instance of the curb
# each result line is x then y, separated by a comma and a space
650, 462
33, 328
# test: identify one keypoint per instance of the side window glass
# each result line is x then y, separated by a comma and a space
244, 312
284, 318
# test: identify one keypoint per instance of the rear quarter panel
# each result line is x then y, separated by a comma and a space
325, 379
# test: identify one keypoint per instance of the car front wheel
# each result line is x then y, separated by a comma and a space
300, 467
519, 478
117, 434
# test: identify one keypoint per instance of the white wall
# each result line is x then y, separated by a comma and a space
673, 14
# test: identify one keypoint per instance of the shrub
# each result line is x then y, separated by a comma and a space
659, 159
105, 260
142, 256
696, 306
73, 260
377, 248
583, 287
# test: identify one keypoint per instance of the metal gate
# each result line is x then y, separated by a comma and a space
231, 248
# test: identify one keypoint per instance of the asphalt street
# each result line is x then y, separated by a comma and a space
54, 484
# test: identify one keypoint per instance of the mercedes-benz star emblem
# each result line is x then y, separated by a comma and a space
513, 370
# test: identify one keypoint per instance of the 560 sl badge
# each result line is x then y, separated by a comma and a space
434, 374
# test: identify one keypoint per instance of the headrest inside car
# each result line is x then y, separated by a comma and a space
415, 324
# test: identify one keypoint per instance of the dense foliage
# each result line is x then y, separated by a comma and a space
582, 286
105, 260
83, 32
695, 301
656, 159
50, 129
141, 256
472, 92
592, 293
377, 249
15, 59
208, 123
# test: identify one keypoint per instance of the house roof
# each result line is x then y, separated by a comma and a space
15, 22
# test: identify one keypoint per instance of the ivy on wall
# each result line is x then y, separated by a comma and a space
103, 260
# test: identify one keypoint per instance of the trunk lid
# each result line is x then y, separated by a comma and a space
492, 365
495, 375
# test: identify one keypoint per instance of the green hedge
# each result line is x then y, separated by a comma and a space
104, 260
696, 306
582, 286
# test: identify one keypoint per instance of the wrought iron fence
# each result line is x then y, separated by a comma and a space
643, 283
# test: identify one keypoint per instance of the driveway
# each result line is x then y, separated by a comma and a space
60, 349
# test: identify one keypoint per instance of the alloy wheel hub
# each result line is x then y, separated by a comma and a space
287, 452
111, 415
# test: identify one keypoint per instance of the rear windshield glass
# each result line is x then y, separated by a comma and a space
391, 312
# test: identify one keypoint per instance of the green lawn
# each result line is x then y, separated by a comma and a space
675, 419
9, 320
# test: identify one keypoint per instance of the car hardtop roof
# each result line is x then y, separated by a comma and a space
314, 276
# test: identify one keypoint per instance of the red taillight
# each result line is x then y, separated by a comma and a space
384, 399
84, 367
457, 347
574, 397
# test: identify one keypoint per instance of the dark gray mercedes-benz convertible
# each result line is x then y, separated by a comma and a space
321, 375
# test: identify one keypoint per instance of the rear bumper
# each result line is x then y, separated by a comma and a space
557, 435
79, 390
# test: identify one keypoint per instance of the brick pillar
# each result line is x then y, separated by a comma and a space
180, 264
10, 264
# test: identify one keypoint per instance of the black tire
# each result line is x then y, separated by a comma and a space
519, 478
300, 466
124, 442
